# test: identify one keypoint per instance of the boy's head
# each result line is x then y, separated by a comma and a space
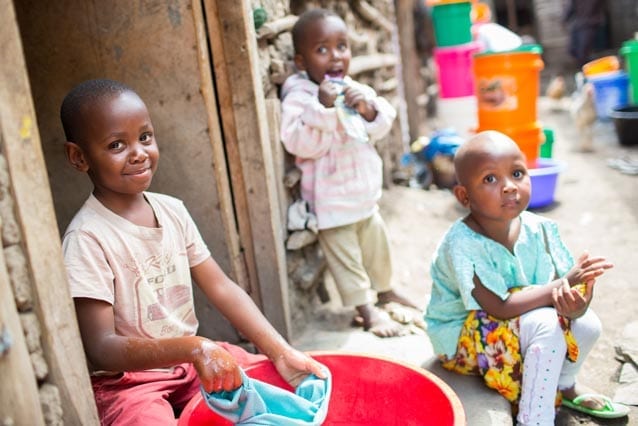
320, 38
492, 175
109, 136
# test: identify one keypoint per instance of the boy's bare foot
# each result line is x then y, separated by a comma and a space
378, 322
393, 296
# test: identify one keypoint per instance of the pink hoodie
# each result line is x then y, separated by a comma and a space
341, 176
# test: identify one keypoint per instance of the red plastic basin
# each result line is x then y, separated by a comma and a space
366, 390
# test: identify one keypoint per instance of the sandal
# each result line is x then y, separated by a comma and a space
611, 410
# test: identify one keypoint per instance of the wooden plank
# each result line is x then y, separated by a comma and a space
234, 46
238, 263
34, 209
280, 157
231, 146
413, 83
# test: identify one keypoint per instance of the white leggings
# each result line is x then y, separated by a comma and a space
545, 367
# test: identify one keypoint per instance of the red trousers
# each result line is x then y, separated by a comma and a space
153, 397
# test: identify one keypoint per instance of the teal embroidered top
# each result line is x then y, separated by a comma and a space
463, 252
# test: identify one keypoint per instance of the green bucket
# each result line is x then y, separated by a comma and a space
547, 146
629, 50
452, 23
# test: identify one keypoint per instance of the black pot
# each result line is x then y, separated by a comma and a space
626, 124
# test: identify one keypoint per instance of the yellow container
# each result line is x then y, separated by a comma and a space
601, 65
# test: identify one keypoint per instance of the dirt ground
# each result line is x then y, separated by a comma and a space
596, 209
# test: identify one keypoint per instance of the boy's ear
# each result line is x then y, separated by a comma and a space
299, 62
460, 192
75, 156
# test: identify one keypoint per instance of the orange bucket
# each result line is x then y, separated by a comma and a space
507, 87
528, 138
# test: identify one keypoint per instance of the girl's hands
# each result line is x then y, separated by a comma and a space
572, 301
355, 98
216, 368
328, 92
294, 366
587, 269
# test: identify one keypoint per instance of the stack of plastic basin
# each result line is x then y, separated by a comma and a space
454, 69
507, 89
611, 90
453, 57
452, 23
601, 66
611, 84
629, 51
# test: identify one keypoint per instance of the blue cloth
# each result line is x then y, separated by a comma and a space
444, 142
463, 253
259, 403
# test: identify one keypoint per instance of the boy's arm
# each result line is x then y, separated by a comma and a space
235, 304
382, 123
308, 129
384, 112
106, 350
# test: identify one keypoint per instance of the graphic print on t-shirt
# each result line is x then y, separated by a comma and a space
164, 300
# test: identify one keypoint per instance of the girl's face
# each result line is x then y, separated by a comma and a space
118, 148
499, 186
324, 50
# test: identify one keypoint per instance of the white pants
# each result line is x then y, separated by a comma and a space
545, 367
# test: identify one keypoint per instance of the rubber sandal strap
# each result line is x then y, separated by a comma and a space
606, 400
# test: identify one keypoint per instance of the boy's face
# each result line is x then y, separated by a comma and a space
498, 186
117, 147
324, 49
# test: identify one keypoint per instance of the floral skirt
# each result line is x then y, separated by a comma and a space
489, 347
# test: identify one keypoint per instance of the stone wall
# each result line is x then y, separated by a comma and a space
18, 272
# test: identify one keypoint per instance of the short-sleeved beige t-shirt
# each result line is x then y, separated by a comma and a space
143, 272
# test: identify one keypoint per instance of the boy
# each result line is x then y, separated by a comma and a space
330, 123
130, 256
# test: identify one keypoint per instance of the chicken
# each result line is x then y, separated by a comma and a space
583, 111
556, 91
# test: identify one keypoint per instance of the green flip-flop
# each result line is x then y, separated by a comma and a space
611, 410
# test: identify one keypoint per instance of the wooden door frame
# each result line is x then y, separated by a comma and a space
34, 211
245, 131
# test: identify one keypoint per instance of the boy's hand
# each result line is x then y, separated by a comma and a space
587, 269
294, 366
216, 368
572, 301
328, 92
356, 99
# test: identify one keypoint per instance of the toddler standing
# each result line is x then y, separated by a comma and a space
330, 123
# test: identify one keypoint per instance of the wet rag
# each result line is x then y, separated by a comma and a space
259, 403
